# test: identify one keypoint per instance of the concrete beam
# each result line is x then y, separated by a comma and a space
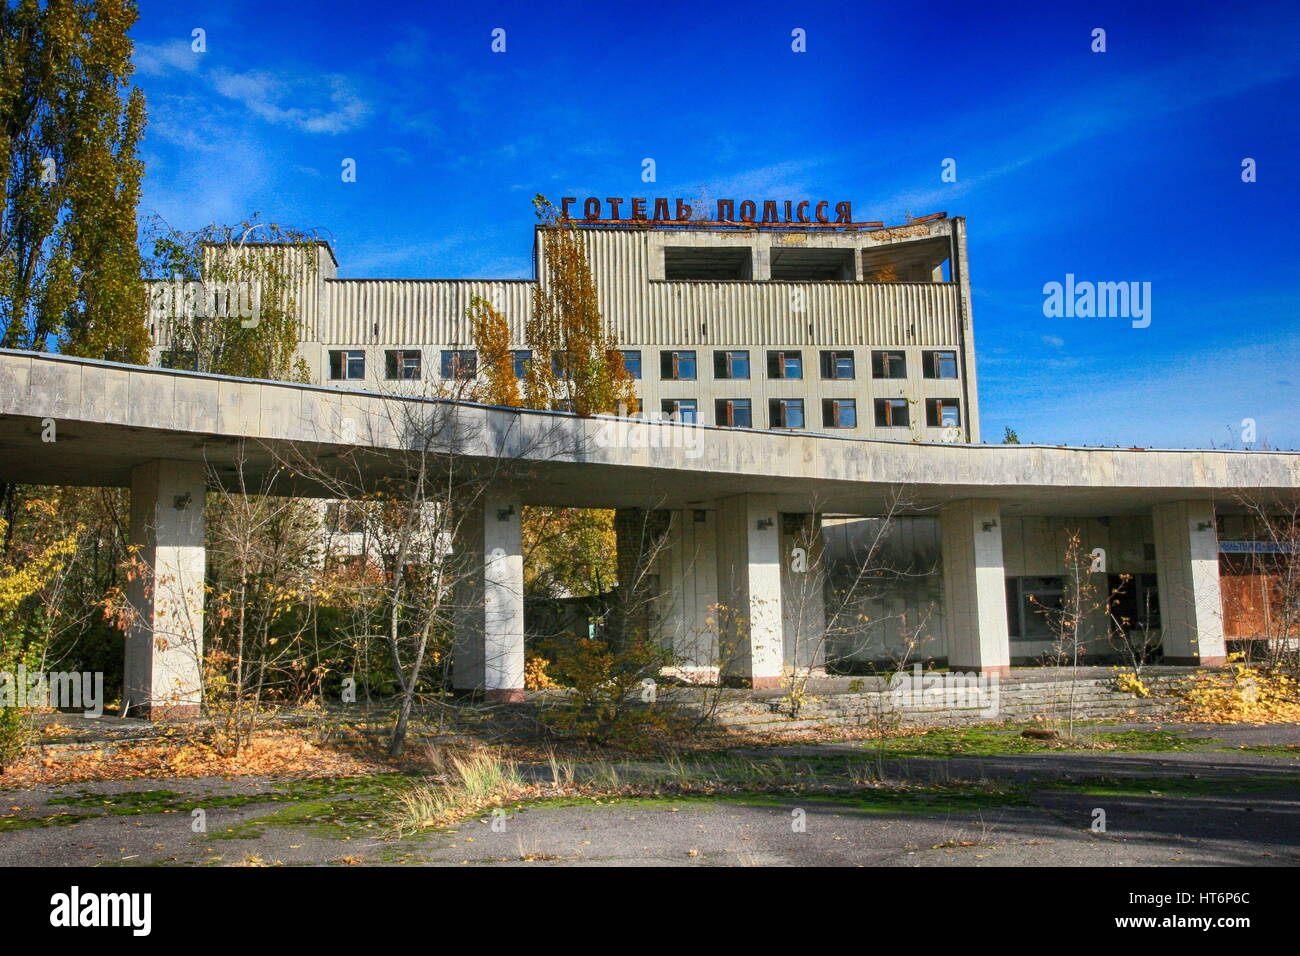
164, 643
1187, 575
974, 588
749, 590
233, 424
488, 655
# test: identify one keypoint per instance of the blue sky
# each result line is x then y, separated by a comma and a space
1115, 166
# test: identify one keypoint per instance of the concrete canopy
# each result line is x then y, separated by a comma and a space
108, 418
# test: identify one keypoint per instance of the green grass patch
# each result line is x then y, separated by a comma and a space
996, 741
1172, 786
335, 805
1266, 750
884, 800
13, 824
332, 810
132, 802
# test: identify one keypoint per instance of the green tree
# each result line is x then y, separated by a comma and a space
574, 361
71, 125
203, 280
1009, 436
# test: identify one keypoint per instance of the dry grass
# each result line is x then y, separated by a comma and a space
475, 781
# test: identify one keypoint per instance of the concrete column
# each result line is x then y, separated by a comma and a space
164, 642
749, 591
761, 262
488, 654
1187, 575
687, 603
974, 588
803, 583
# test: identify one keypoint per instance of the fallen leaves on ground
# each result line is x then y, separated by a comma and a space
277, 753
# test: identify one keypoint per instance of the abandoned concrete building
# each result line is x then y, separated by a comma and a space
834, 491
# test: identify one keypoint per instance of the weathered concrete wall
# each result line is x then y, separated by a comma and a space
686, 610
803, 593
647, 313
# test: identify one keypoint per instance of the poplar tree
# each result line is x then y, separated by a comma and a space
71, 125
574, 358
574, 361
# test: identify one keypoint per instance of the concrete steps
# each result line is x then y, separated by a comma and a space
1020, 700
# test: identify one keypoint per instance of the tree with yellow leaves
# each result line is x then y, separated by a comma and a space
28, 603
574, 357
575, 363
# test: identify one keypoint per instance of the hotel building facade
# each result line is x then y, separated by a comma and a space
852, 330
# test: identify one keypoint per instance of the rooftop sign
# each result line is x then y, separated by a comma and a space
769, 213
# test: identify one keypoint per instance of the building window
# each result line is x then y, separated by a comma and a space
784, 364
837, 365
942, 412
707, 262
812, 265
459, 363
1033, 606
677, 366
1134, 603
785, 413
888, 364
731, 365
839, 413
939, 364
347, 364
520, 360
891, 413
734, 412
681, 409
402, 363
632, 362
180, 359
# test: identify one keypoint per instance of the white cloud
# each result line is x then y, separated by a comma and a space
325, 104
159, 59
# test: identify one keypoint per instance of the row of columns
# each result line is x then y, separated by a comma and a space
751, 620
164, 639
1187, 572
489, 654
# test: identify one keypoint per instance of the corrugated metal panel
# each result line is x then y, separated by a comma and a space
838, 313
639, 310
305, 292
417, 312
656, 313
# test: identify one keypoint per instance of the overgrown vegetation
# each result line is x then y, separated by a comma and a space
32, 578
